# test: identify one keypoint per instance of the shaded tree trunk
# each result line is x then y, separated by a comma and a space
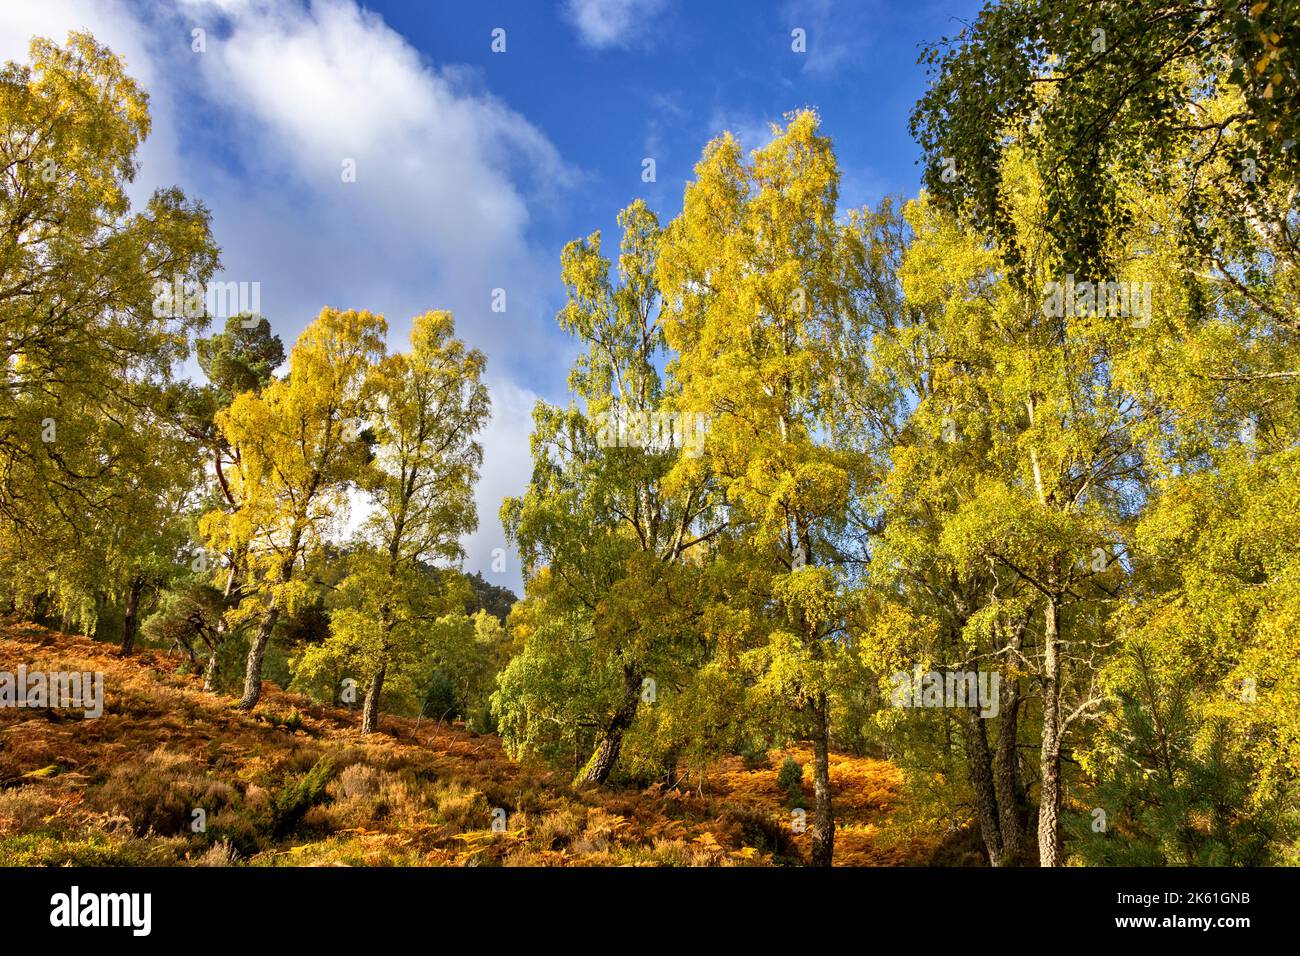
1013, 803
605, 756
979, 765
1049, 797
370, 709
823, 834
131, 619
256, 652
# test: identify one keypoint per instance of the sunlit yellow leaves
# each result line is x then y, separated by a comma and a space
94, 474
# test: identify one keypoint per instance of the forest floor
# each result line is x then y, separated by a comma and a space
295, 783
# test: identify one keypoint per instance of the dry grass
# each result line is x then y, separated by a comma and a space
295, 783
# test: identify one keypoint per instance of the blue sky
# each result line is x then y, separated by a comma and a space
474, 167
678, 73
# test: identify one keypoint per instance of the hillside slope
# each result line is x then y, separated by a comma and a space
295, 783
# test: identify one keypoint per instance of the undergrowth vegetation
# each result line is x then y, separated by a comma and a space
296, 783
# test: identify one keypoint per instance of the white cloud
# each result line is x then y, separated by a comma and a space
444, 175
108, 21
113, 24
610, 23
447, 180
507, 469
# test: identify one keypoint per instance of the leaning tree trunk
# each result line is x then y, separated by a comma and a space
370, 710
605, 756
131, 620
823, 834
256, 652
1049, 797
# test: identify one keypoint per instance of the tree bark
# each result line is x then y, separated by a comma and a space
1049, 797
1013, 802
823, 834
257, 651
131, 620
370, 710
979, 765
605, 756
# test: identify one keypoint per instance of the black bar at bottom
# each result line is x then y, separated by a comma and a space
342, 906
